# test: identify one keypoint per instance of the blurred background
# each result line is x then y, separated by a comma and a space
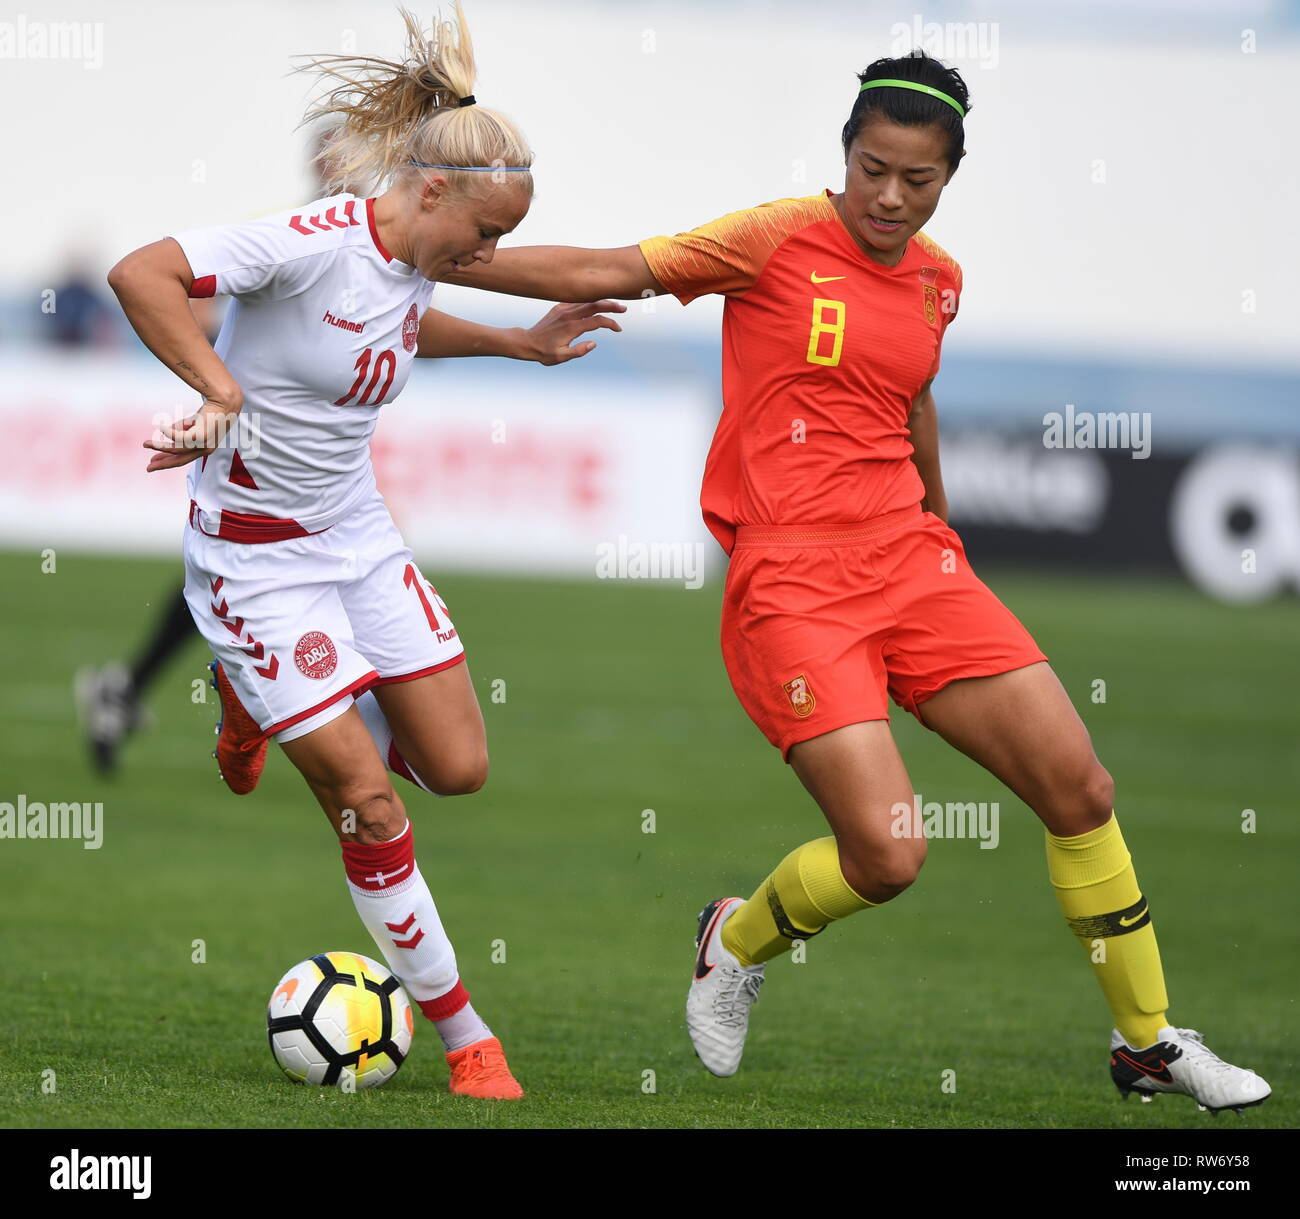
1121, 218
1126, 222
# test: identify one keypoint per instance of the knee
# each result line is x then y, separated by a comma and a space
1099, 793
1085, 801
879, 875
371, 815
460, 776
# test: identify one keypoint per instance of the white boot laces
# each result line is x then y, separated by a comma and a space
1202, 1055
736, 991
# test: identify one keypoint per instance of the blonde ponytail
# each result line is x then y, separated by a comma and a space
394, 113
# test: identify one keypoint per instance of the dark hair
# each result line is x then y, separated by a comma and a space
908, 107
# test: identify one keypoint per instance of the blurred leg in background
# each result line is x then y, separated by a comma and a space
109, 697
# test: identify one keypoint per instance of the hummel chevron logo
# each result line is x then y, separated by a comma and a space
824, 279
403, 928
235, 626
330, 220
268, 671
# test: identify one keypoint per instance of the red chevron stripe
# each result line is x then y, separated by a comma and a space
236, 627
297, 225
334, 220
402, 928
412, 942
316, 221
254, 649
220, 610
216, 584
347, 211
271, 670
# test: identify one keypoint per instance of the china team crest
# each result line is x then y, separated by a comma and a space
315, 655
411, 329
930, 277
801, 696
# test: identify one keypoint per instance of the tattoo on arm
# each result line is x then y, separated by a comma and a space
195, 378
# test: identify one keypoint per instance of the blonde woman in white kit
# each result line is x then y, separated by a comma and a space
328, 638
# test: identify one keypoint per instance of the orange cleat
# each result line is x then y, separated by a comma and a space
481, 1070
240, 751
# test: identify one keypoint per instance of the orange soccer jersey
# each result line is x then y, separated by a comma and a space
824, 352
840, 591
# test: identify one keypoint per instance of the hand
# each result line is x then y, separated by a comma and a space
179, 443
548, 342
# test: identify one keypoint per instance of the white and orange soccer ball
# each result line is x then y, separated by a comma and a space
340, 1019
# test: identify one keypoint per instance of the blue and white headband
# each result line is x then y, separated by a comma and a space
476, 169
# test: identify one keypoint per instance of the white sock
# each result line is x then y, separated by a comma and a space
398, 910
372, 715
464, 1028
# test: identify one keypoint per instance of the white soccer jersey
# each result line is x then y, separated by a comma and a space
320, 334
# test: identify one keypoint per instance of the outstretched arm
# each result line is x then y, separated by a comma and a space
563, 273
444, 336
923, 425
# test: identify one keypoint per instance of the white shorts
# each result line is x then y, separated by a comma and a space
302, 626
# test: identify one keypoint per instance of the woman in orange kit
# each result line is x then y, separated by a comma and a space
846, 586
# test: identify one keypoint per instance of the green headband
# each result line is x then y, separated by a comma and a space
911, 84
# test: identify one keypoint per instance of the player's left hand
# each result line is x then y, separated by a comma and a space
548, 342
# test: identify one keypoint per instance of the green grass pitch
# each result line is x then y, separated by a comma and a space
616, 702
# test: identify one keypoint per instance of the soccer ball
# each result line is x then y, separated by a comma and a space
339, 1019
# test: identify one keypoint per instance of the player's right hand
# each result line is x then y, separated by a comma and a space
182, 441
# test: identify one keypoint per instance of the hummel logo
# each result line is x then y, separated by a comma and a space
342, 323
824, 279
403, 928
331, 219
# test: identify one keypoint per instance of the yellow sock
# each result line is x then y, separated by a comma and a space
1099, 896
805, 894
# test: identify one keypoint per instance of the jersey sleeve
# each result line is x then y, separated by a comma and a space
726, 255
256, 260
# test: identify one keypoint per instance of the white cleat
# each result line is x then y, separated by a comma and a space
1181, 1062
722, 991
108, 712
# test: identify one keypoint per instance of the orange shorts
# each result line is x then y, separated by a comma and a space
820, 621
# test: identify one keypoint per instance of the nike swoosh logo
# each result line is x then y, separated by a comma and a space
703, 967
824, 279
1160, 1072
1128, 922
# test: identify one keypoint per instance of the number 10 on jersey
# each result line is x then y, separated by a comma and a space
385, 363
827, 319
